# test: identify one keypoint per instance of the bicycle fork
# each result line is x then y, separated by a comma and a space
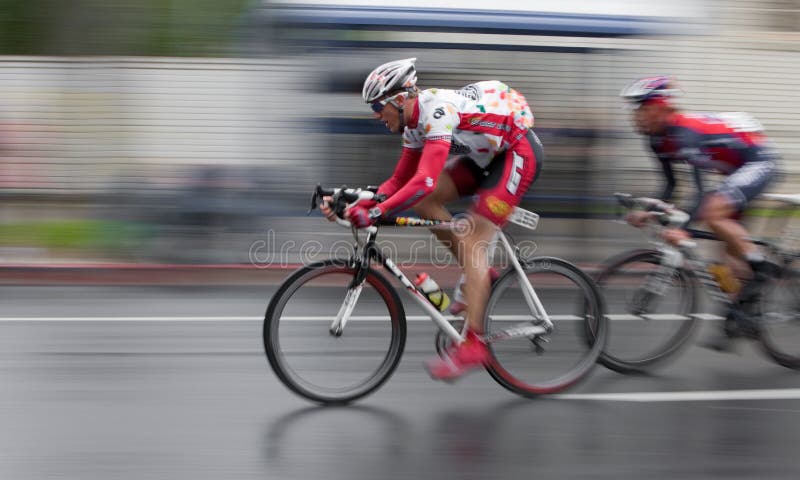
657, 283
350, 299
349, 303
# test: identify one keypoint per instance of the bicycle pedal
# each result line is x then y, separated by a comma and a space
537, 344
750, 329
731, 328
739, 324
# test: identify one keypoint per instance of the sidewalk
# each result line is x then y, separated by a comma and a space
287, 243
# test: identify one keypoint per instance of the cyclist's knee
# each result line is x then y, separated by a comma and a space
717, 207
429, 208
480, 232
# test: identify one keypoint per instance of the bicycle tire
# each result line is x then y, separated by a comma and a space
780, 319
593, 320
612, 357
278, 359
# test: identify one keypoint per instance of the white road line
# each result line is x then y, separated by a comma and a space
688, 396
691, 396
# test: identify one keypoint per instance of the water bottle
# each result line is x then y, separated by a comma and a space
728, 282
432, 292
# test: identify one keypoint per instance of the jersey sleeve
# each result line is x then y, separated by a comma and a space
422, 182
666, 168
693, 206
669, 180
405, 169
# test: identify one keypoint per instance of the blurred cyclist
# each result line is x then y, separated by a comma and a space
732, 144
473, 141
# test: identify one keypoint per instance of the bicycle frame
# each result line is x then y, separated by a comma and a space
369, 252
684, 255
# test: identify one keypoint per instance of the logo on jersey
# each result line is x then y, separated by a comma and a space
477, 122
428, 182
459, 149
516, 176
438, 113
470, 91
498, 207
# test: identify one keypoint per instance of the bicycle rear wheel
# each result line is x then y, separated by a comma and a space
780, 318
647, 329
527, 365
314, 362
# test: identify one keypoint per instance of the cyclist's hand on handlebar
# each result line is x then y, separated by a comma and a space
675, 236
638, 218
326, 208
360, 217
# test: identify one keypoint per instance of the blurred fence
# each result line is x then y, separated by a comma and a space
197, 143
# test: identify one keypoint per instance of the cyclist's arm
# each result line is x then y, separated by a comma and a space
669, 181
423, 182
406, 166
690, 151
694, 207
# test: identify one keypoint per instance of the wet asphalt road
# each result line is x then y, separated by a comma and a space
185, 396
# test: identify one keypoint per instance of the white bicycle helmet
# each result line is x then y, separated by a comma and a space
389, 78
648, 88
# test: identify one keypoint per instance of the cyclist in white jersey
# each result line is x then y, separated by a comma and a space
473, 141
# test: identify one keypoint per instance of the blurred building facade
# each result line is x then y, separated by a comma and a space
224, 144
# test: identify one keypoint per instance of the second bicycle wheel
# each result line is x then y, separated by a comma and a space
531, 366
646, 329
780, 318
317, 364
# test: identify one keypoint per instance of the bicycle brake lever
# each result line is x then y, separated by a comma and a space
313, 203
314, 199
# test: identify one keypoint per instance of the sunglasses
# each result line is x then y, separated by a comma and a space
378, 106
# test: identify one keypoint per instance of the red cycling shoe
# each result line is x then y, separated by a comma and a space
470, 354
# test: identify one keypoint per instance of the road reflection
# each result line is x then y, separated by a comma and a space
354, 438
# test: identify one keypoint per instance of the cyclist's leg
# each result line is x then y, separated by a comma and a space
722, 208
456, 181
719, 211
460, 178
738, 266
502, 189
508, 178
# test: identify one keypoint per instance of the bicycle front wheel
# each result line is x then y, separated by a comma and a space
780, 318
532, 365
647, 328
318, 363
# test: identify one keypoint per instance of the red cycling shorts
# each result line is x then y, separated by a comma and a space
501, 185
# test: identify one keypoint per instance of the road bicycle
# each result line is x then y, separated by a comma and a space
335, 330
653, 296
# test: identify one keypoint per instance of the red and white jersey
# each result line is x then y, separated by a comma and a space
480, 120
